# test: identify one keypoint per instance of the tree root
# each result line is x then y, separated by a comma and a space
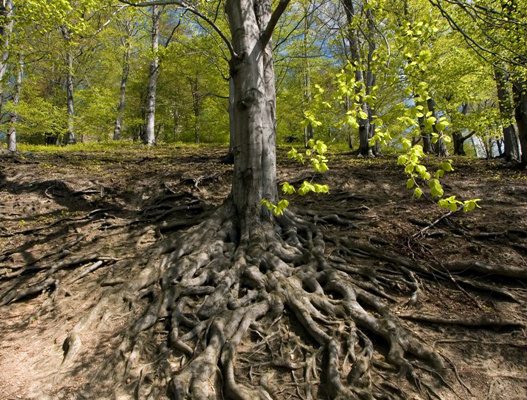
481, 322
246, 309
507, 271
239, 306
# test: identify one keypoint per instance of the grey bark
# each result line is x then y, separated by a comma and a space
520, 114
440, 146
308, 129
229, 158
122, 93
11, 133
197, 99
70, 100
70, 134
458, 138
361, 77
149, 134
506, 110
427, 142
253, 77
6, 13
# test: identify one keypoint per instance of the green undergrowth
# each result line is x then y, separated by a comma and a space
111, 147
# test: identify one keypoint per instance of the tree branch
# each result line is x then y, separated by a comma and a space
191, 9
275, 16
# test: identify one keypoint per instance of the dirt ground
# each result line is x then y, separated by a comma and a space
93, 219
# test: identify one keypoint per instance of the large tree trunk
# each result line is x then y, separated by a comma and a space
149, 137
11, 133
122, 95
229, 158
255, 104
520, 114
506, 111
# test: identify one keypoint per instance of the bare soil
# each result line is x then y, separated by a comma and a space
76, 225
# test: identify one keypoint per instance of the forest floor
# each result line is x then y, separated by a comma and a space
93, 217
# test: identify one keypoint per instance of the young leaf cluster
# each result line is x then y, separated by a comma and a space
418, 176
315, 154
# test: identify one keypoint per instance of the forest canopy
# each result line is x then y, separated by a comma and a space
448, 75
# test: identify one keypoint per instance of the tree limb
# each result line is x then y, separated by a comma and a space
271, 25
190, 8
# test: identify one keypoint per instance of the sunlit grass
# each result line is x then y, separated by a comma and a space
111, 146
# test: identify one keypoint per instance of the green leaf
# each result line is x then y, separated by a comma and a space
410, 183
305, 188
320, 147
447, 166
471, 205
280, 207
401, 160
436, 189
287, 188
418, 193
321, 188
421, 169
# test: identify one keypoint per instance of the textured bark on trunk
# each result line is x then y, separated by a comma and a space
254, 96
6, 13
440, 146
70, 133
427, 142
11, 133
458, 142
520, 114
196, 106
149, 137
354, 47
122, 94
506, 110
229, 158
308, 129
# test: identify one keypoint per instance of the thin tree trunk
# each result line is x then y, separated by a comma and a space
70, 133
520, 114
308, 129
122, 95
11, 133
440, 146
354, 47
252, 71
70, 101
499, 143
196, 107
370, 76
506, 110
6, 13
427, 142
149, 134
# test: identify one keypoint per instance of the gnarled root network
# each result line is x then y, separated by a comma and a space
257, 310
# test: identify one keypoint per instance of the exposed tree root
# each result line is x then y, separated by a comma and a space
480, 322
244, 309
246, 313
508, 271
